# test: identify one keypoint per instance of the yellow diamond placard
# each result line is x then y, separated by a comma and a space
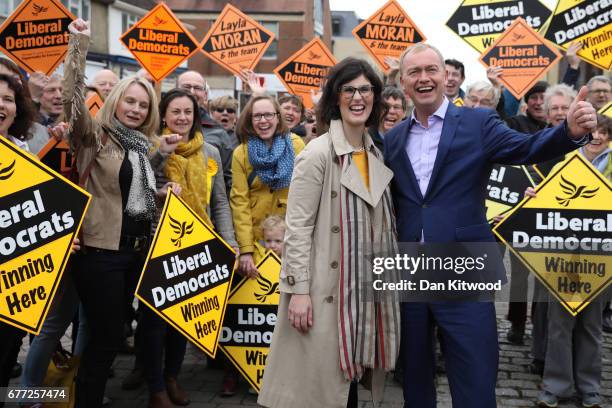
40, 214
236, 41
305, 70
387, 33
35, 35
564, 235
187, 275
250, 319
480, 22
587, 22
505, 188
524, 55
160, 42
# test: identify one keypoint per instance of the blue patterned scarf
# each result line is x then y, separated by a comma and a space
272, 165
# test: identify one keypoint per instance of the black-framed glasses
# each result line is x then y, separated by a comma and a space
228, 110
258, 117
348, 91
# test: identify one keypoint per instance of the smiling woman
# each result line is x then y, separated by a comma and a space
117, 162
331, 227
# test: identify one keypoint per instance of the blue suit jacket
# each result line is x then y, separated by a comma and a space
472, 140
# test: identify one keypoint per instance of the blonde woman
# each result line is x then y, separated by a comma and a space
116, 167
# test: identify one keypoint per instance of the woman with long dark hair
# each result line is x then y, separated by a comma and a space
329, 334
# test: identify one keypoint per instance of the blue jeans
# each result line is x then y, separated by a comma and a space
64, 308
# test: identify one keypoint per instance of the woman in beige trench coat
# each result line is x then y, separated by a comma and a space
329, 334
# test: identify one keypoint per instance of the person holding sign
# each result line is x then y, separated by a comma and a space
196, 166
261, 172
574, 343
339, 210
116, 166
442, 157
17, 113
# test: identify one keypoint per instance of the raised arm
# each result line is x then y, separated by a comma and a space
82, 129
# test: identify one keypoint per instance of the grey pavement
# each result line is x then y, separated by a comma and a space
516, 387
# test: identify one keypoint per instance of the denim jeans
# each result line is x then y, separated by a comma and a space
157, 337
103, 280
64, 308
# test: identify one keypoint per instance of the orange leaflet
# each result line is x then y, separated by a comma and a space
36, 35
236, 41
159, 42
388, 32
524, 55
305, 70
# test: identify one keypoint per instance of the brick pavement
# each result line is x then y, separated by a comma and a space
516, 387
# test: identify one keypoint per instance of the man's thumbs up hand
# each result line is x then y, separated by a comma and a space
581, 117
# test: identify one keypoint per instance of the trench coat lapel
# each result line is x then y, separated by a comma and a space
380, 176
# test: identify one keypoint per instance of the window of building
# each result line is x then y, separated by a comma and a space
272, 51
337, 25
127, 21
318, 17
7, 7
80, 8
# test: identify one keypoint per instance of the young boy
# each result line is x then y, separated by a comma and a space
274, 234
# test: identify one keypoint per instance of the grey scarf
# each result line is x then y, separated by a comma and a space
141, 198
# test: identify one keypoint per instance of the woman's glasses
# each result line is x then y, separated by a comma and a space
348, 92
228, 110
258, 117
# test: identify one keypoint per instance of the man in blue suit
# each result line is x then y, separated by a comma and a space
442, 157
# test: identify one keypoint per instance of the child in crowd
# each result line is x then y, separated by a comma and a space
273, 228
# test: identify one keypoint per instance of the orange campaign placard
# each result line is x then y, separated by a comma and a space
304, 71
56, 154
159, 42
387, 33
524, 55
236, 41
94, 104
36, 35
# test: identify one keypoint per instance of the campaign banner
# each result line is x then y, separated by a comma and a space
57, 155
35, 35
587, 22
458, 101
94, 104
524, 55
506, 188
306, 69
187, 275
387, 33
606, 110
250, 319
236, 41
480, 22
40, 214
564, 234
159, 42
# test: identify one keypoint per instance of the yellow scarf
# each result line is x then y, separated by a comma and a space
186, 167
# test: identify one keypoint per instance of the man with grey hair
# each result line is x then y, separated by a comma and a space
600, 91
104, 81
193, 82
50, 100
442, 156
481, 94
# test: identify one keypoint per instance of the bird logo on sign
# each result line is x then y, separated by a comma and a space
268, 288
38, 9
180, 229
7, 171
573, 192
157, 21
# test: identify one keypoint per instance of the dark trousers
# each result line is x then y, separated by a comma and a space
519, 274
353, 400
10, 343
469, 341
157, 337
102, 279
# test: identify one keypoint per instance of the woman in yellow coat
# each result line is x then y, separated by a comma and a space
261, 171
